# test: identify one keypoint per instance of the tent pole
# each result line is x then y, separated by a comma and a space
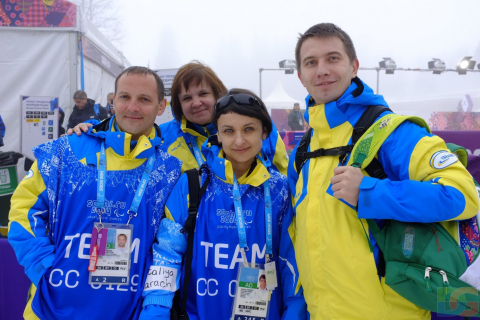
82, 76
260, 71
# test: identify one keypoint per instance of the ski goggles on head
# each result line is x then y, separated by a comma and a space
239, 98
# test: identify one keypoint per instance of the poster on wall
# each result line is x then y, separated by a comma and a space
39, 122
167, 76
8, 179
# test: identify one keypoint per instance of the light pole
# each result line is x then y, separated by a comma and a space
436, 66
287, 65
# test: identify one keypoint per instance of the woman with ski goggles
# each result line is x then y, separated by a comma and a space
240, 234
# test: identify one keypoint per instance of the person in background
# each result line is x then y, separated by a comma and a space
337, 267
109, 106
61, 117
85, 109
295, 118
2, 131
235, 161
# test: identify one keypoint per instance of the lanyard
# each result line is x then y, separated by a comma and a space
242, 236
102, 175
196, 150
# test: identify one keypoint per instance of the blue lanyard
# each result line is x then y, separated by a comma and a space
242, 236
196, 150
102, 175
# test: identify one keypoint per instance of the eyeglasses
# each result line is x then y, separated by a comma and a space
239, 98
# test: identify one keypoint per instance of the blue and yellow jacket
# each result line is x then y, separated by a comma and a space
53, 212
337, 270
216, 256
179, 137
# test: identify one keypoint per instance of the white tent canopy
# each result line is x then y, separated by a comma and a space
279, 99
42, 57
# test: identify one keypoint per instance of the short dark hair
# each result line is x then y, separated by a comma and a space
325, 30
296, 104
79, 94
144, 71
252, 111
193, 73
262, 276
121, 234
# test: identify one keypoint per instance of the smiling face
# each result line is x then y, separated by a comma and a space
325, 68
136, 104
197, 103
241, 139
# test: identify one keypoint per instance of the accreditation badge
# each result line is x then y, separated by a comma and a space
110, 251
252, 298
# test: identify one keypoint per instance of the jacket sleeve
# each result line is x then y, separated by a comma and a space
418, 189
28, 225
168, 250
294, 303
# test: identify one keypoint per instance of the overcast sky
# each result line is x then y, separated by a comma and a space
236, 38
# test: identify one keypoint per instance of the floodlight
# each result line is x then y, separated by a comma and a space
388, 64
437, 65
288, 64
464, 64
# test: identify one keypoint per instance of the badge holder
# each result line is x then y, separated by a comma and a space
252, 298
110, 251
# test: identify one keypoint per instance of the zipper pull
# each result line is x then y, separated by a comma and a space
444, 276
427, 278
445, 280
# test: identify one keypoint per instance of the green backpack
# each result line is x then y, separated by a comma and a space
423, 262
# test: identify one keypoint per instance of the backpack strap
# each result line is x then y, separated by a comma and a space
302, 150
374, 169
195, 195
366, 120
363, 156
370, 142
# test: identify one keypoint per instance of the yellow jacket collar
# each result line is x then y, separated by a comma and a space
256, 178
121, 142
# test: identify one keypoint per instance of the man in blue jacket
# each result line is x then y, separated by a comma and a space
85, 109
84, 193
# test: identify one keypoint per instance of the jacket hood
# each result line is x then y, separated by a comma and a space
357, 95
222, 168
120, 141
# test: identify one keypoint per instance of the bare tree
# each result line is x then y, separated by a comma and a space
104, 15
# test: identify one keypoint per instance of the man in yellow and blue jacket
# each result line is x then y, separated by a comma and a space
336, 267
55, 207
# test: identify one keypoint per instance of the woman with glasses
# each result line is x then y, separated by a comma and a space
243, 228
